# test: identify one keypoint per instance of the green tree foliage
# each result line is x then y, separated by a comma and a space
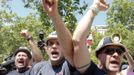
120, 20
67, 9
121, 12
96, 39
10, 37
11, 24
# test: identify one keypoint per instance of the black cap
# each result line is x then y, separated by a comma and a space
106, 41
23, 49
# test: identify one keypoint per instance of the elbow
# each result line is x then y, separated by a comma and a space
38, 59
76, 41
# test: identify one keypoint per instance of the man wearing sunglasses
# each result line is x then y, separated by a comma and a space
110, 55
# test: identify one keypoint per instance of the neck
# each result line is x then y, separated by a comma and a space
57, 63
22, 69
112, 73
100, 66
107, 71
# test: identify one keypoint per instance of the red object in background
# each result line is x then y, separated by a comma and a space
90, 39
89, 42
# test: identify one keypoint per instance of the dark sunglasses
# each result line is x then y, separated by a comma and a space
111, 51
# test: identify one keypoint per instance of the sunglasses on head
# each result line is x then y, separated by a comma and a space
111, 51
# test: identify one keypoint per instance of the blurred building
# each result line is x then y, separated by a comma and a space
99, 28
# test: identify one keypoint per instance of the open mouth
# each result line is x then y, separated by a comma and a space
54, 54
20, 62
114, 62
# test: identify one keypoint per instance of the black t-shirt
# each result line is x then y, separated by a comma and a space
94, 70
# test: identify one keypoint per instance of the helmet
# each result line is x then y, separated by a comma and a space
52, 35
107, 41
25, 50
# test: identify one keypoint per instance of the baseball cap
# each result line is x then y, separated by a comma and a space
107, 41
25, 50
52, 35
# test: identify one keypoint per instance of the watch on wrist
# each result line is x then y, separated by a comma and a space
29, 38
95, 9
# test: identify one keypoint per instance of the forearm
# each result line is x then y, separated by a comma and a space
64, 37
84, 26
130, 61
79, 41
36, 53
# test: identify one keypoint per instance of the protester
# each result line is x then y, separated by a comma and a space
110, 56
56, 64
79, 51
24, 59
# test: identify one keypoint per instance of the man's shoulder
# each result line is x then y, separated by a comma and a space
40, 63
94, 70
14, 72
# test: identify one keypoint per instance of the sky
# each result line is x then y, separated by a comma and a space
18, 7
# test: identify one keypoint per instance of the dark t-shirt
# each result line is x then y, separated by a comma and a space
94, 70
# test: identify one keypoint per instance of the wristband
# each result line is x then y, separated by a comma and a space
81, 67
95, 9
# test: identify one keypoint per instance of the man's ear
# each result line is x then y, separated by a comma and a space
102, 57
99, 56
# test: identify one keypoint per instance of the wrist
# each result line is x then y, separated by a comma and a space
29, 38
94, 9
126, 52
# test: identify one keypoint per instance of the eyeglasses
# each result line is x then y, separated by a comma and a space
111, 51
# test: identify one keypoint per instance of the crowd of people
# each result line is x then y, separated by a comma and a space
68, 54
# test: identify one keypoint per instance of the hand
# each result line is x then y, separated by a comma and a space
24, 33
101, 4
126, 49
50, 6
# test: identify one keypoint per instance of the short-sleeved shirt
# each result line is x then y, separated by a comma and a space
30, 71
15, 72
94, 70
45, 68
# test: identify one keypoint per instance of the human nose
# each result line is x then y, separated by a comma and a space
115, 54
54, 45
20, 56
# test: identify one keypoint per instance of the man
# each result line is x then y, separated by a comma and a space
56, 65
110, 56
75, 49
22, 59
